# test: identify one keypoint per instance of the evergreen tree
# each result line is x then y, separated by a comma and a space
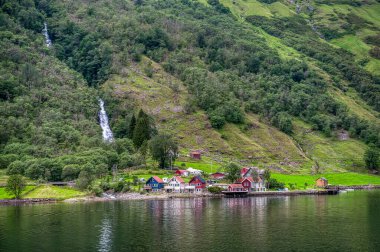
141, 132
132, 126
371, 157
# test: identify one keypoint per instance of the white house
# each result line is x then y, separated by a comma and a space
194, 172
175, 184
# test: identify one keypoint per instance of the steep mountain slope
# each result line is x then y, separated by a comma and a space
243, 81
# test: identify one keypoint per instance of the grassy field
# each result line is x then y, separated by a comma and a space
53, 192
332, 154
5, 195
243, 8
344, 179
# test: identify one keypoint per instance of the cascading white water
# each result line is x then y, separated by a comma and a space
46, 34
107, 133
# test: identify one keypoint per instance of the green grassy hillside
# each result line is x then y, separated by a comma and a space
291, 86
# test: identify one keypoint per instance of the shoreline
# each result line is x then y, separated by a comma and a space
166, 196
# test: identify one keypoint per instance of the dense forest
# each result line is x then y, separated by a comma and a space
49, 95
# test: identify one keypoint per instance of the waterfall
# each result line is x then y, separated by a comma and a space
107, 133
46, 34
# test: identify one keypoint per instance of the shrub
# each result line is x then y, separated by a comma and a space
118, 186
84, 180
215, 189
274, 184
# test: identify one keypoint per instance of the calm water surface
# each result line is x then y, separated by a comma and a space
347, 222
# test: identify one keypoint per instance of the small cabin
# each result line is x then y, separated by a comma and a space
321, 182
154, 184
198, 182
196, 155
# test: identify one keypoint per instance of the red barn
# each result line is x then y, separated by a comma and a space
218, 175
196, 154
198, 182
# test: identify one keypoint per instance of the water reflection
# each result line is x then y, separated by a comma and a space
306, 223
105, 239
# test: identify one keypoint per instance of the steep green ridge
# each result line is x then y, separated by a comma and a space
256, 86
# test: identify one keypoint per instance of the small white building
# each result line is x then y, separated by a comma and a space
194, 172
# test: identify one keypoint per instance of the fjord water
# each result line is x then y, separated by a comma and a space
346, 222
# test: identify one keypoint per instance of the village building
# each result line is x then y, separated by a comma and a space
194, 172
176, 184
217, 175
198, 182
321, 182
247, 183
154, 184
236, 188
256, 184
196, 154
182, 173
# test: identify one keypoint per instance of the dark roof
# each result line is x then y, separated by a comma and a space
199, 177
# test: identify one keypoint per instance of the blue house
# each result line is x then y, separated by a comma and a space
154, 184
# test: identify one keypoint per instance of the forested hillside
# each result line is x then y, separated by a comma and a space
264, 83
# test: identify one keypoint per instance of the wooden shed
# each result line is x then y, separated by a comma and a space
321, 182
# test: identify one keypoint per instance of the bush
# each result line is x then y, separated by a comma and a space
84, 180
97, 190
118, 186
215, 189
70, 172
217, 120
274, 184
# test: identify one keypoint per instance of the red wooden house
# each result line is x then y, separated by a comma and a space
247, 183
198, 182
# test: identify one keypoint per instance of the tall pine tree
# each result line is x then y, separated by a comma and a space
142, 130
132, 126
